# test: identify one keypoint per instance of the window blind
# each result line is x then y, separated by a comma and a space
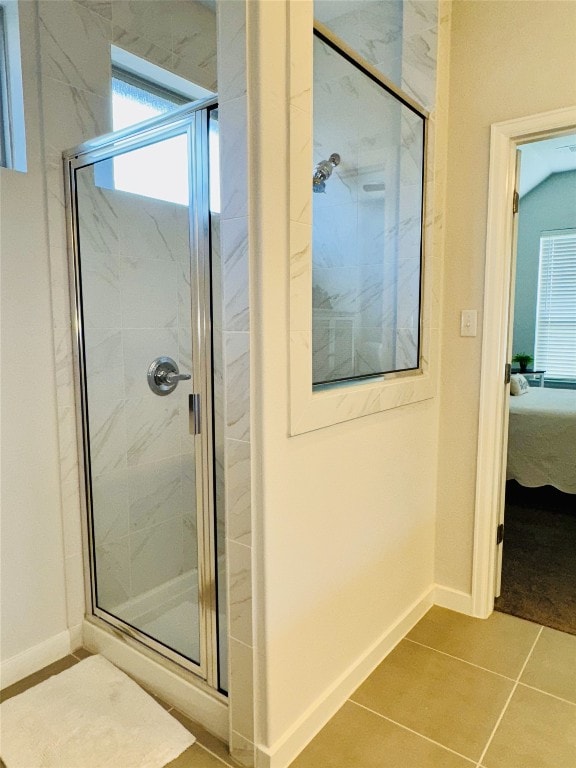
555, 345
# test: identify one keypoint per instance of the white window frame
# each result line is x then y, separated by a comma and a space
14, 137
151, 73
555, 349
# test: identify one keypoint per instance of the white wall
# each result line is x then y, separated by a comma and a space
32, 558
508, 60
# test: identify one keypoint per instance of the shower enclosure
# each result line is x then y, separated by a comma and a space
143, 222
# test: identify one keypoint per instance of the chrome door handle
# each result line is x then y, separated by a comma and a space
163, 376
172, 377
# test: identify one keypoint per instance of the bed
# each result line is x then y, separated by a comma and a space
542, 439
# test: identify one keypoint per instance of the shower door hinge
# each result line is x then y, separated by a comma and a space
507, 373
515, 202
500, 534
194, 414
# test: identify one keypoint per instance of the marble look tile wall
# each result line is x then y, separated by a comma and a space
75, 69
179, 35
366, 231
136, 298
372, 29
398, 37
234, 242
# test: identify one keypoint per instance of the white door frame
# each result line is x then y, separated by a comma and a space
504, 139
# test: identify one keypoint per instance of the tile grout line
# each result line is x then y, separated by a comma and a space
547, 693
228, 765
458, 658
508, 700
416, 733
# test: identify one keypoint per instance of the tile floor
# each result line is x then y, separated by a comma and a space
457, 692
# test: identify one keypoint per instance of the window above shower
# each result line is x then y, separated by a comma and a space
367, 223
133, 101
142, 91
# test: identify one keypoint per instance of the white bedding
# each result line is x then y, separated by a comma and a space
542, 439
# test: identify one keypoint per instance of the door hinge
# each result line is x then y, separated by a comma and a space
515, 202
507, 373
500, 534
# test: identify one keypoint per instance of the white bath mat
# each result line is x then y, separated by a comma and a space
89, 716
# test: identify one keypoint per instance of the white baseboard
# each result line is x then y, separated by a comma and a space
39, 656
76, 639
324, 708
454, 599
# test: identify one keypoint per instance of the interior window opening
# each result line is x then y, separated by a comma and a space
368, 181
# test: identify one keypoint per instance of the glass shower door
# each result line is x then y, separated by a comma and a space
142, 306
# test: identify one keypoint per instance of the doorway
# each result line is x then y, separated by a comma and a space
538, 580
493, 423
142, 219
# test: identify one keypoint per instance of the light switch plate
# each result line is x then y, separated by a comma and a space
468, 322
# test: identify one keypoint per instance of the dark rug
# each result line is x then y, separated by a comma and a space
539, 558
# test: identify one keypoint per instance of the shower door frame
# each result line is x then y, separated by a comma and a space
191, 120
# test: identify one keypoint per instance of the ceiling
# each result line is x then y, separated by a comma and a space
540, 159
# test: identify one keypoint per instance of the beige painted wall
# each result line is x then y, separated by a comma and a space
508, 60
345, 514
32, 555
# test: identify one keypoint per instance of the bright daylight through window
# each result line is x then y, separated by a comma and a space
143, 172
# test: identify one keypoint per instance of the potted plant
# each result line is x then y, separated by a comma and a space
523, 361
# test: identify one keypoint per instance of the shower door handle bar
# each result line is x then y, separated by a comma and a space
194, 414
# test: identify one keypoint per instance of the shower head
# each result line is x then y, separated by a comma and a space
323, 171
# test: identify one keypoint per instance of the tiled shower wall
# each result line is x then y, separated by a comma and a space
135, 259
179, 35
233, 120
398, 37
75, 39
366, 279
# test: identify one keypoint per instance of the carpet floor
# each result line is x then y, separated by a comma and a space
539, 558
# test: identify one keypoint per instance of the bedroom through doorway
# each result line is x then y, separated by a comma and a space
538, 578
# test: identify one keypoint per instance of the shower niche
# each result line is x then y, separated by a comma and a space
143, 222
